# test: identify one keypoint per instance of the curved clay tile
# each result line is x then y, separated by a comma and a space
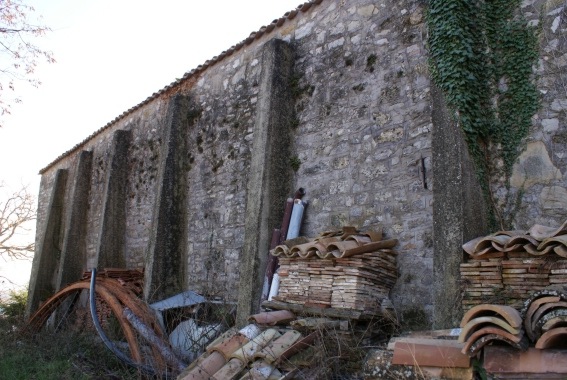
493, 240
560, 250
312, 250
260, 33
228, 346
272, 318
272, 352
469, 246
555, 338
262, 370
507, 248
370, 247
298, 346
497, 240
338, 248
538, 327
229, 370
502, 334
359, 239
555, 322
319, 247
280, 250
511, 315
206, 368
347, 231
534, 251
302, 250
247, 352
544, 309
540, 232
522, 239
486, 339
550, 291
486, 251
534, 306
556, 240
481, 322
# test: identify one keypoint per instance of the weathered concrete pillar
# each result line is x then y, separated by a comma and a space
269, 181
459, 211
167, 252
73, 255
113, 225
47, 251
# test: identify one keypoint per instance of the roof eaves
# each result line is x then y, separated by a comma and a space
302, 8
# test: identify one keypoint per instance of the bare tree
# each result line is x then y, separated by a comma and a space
17, 213
19, 56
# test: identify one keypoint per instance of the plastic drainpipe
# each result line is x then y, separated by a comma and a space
100, 331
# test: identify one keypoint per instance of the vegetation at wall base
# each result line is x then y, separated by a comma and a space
50, 355
481, 56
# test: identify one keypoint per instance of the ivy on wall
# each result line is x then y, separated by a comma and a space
481, 56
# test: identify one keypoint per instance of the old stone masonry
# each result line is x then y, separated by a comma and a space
335, 96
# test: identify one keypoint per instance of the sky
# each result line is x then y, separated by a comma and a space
111, 55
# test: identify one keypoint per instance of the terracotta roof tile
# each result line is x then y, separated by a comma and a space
481, 322
538, 240
187, 76
511, 315
492, 338
506, 361
272, 318
429, 352
554, 338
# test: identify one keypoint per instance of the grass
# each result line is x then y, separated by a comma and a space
48, 355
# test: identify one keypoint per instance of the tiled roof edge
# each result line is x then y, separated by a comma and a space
302, 8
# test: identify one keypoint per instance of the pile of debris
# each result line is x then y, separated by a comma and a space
511, 344
344, 269
278, 345
507, 266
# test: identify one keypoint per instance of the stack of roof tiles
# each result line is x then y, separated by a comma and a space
257, 351
485, 324
343, 270
508, 266
545, 317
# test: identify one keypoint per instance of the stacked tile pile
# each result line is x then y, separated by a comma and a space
306, 281
545, 317
541, 323
252, 352
507, 266
343, 270
362, 279
133, 279
485, 324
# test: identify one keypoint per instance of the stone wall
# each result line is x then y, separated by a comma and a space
538, 186
360, 144
364, 133
177, 184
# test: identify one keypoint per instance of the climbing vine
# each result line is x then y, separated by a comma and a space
481, 56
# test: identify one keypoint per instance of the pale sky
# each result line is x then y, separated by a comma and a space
111, 55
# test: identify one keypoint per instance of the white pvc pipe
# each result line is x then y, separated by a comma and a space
296, 218
274, 289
